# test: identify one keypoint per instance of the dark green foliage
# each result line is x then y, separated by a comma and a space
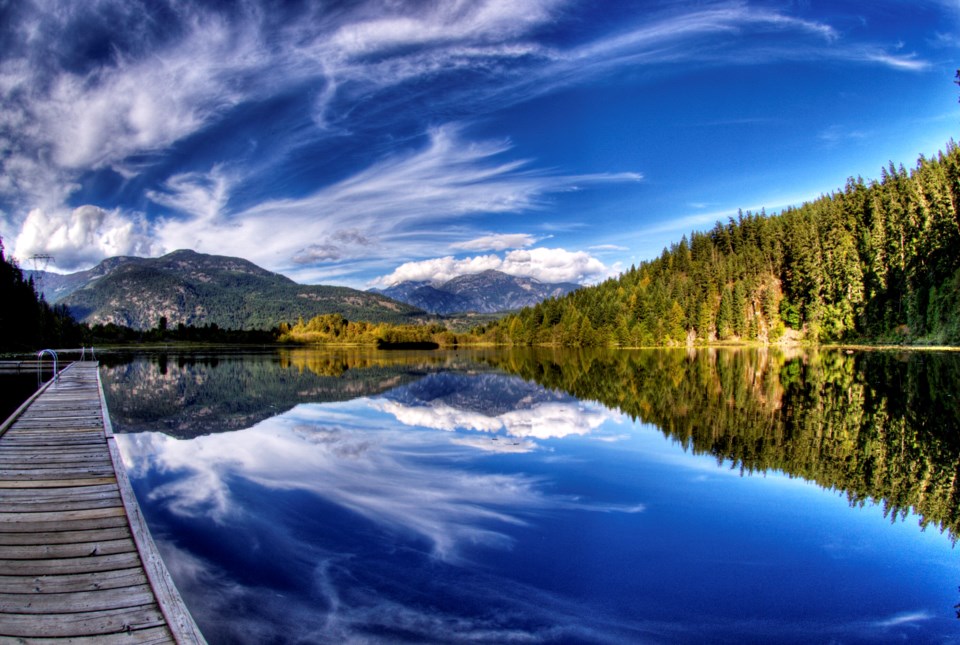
27, 322
209, 334
873, 262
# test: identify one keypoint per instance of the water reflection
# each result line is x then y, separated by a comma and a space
881, 426
549, 497
355, 456
507, 408
189, 394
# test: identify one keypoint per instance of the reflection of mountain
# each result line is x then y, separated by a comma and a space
187, 395
493, 403
488, 394
877, 425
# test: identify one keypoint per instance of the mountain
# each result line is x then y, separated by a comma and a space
197, 289
487, 292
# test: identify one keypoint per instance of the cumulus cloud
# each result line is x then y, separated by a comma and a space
543, 264
83, 236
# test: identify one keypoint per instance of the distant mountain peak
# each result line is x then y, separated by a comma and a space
198, 288
488, 291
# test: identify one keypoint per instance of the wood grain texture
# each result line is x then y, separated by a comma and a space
77, 563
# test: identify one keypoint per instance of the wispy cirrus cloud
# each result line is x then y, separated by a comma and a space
386, 206
497, 242
175, 71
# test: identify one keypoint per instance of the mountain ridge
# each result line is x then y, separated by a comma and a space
489, 291
191, 288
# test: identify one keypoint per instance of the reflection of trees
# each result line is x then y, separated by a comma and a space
877, 425
190, 394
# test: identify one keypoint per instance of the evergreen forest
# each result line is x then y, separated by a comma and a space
27, 321
875, 262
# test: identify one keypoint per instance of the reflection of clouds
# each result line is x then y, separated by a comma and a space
543, 421
345, 453
557, 420
439, 416
379, 474
342, 607
493, 403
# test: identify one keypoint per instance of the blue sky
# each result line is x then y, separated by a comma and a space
362, 143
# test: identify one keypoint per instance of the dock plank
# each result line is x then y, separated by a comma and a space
77, 563
113, 621
69, 583
65, 537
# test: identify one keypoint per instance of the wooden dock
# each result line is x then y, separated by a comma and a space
77, 563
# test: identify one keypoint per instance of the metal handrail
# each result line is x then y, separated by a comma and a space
56, 374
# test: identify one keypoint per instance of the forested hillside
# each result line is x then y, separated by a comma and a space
27, 322
875, 261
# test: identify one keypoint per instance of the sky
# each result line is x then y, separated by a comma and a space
365, 143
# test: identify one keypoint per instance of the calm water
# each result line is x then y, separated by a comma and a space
732, 496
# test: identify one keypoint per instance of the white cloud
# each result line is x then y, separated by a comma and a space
448, 22
547, 420
608, 247
82, 237
389, 204
497, 242
201, 195
367, 471
146, 104
362, 462
543, 264
126, 113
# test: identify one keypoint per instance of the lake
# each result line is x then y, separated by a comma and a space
664, 496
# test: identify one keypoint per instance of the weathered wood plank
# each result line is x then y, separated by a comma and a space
75, 550
79, 456
80, 601
66, 537
151, 636
102, 500
73, 524
15, 519
77, 563
70, 565
54, 441
89, 462
86, 624
70, 583
65, 492
30, 474
57, 483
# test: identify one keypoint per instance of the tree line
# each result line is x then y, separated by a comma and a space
875, 261
27, 321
